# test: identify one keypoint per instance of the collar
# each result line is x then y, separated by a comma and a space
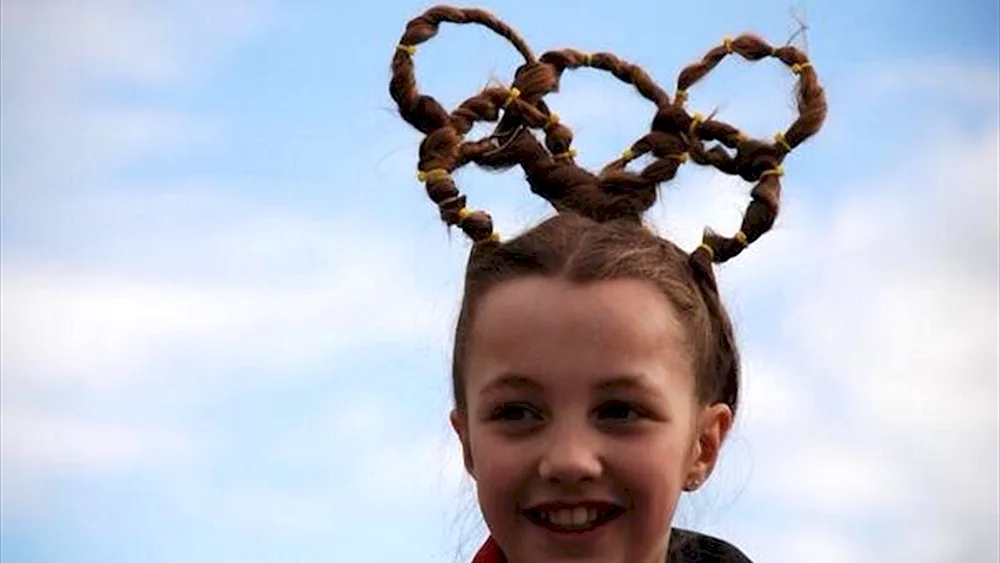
489, 553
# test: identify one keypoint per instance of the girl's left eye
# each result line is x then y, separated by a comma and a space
617, 412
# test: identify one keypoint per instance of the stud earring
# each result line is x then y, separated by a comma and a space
693, 484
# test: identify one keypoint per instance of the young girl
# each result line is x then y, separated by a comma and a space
595, 371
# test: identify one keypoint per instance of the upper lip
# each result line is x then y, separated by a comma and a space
569, 505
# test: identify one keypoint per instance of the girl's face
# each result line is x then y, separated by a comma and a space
582, 425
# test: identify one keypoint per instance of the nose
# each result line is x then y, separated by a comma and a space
572, 456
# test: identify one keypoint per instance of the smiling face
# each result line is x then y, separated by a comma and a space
582, 425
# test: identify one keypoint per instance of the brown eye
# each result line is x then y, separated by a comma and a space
514, 412
618, 412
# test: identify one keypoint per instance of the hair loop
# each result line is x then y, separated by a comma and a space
615, 193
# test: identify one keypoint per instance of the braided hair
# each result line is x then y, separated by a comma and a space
596, 233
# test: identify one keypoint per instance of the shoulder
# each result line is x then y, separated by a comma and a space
691, 547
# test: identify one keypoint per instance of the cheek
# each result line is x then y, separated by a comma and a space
501, 469
653, 473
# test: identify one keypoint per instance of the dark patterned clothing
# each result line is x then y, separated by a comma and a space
685, 547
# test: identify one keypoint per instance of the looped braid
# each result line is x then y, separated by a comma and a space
444, 147
754, 160
615, 193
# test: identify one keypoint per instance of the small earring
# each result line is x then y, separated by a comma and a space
693, 484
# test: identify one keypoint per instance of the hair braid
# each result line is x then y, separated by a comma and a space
755, 160
444, 148
614, 193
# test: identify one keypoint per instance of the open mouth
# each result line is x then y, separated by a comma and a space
574, 520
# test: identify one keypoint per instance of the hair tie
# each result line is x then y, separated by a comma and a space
408, 49
680, 157
588, 59
740, 137
740, 237
568, 154
708, 249
797, 68
698, 118
728, 44
433, 175
553, 119
627, 154
512, 95
464, 213
779, 138
681, 96
776, 171
494, 237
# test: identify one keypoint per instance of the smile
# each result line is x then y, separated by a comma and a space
573, 520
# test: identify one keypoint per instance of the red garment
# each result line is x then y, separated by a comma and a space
489, 553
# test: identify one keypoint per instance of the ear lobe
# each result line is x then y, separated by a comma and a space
460, 424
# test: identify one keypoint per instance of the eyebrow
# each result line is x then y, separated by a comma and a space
521, 381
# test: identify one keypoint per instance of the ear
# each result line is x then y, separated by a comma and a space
714, 424
460, 424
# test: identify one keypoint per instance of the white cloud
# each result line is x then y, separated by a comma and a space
140, 42
106, 328
35, 439
893, 320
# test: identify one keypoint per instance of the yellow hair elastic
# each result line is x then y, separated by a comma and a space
464, 213
568, 154
511, 96
776, 171
798, 68
779, 138
728, 44
708, 249
627, 154
494, 237
588, 59
681, 157
552, 120
408, 49
682, 96
695, 121
431, 175
740, 237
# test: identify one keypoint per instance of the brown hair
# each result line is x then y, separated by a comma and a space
598, 233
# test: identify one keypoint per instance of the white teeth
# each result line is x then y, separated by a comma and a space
579, 517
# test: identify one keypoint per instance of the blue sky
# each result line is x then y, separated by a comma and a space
227, 301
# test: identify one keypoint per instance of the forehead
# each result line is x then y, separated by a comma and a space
567, 334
